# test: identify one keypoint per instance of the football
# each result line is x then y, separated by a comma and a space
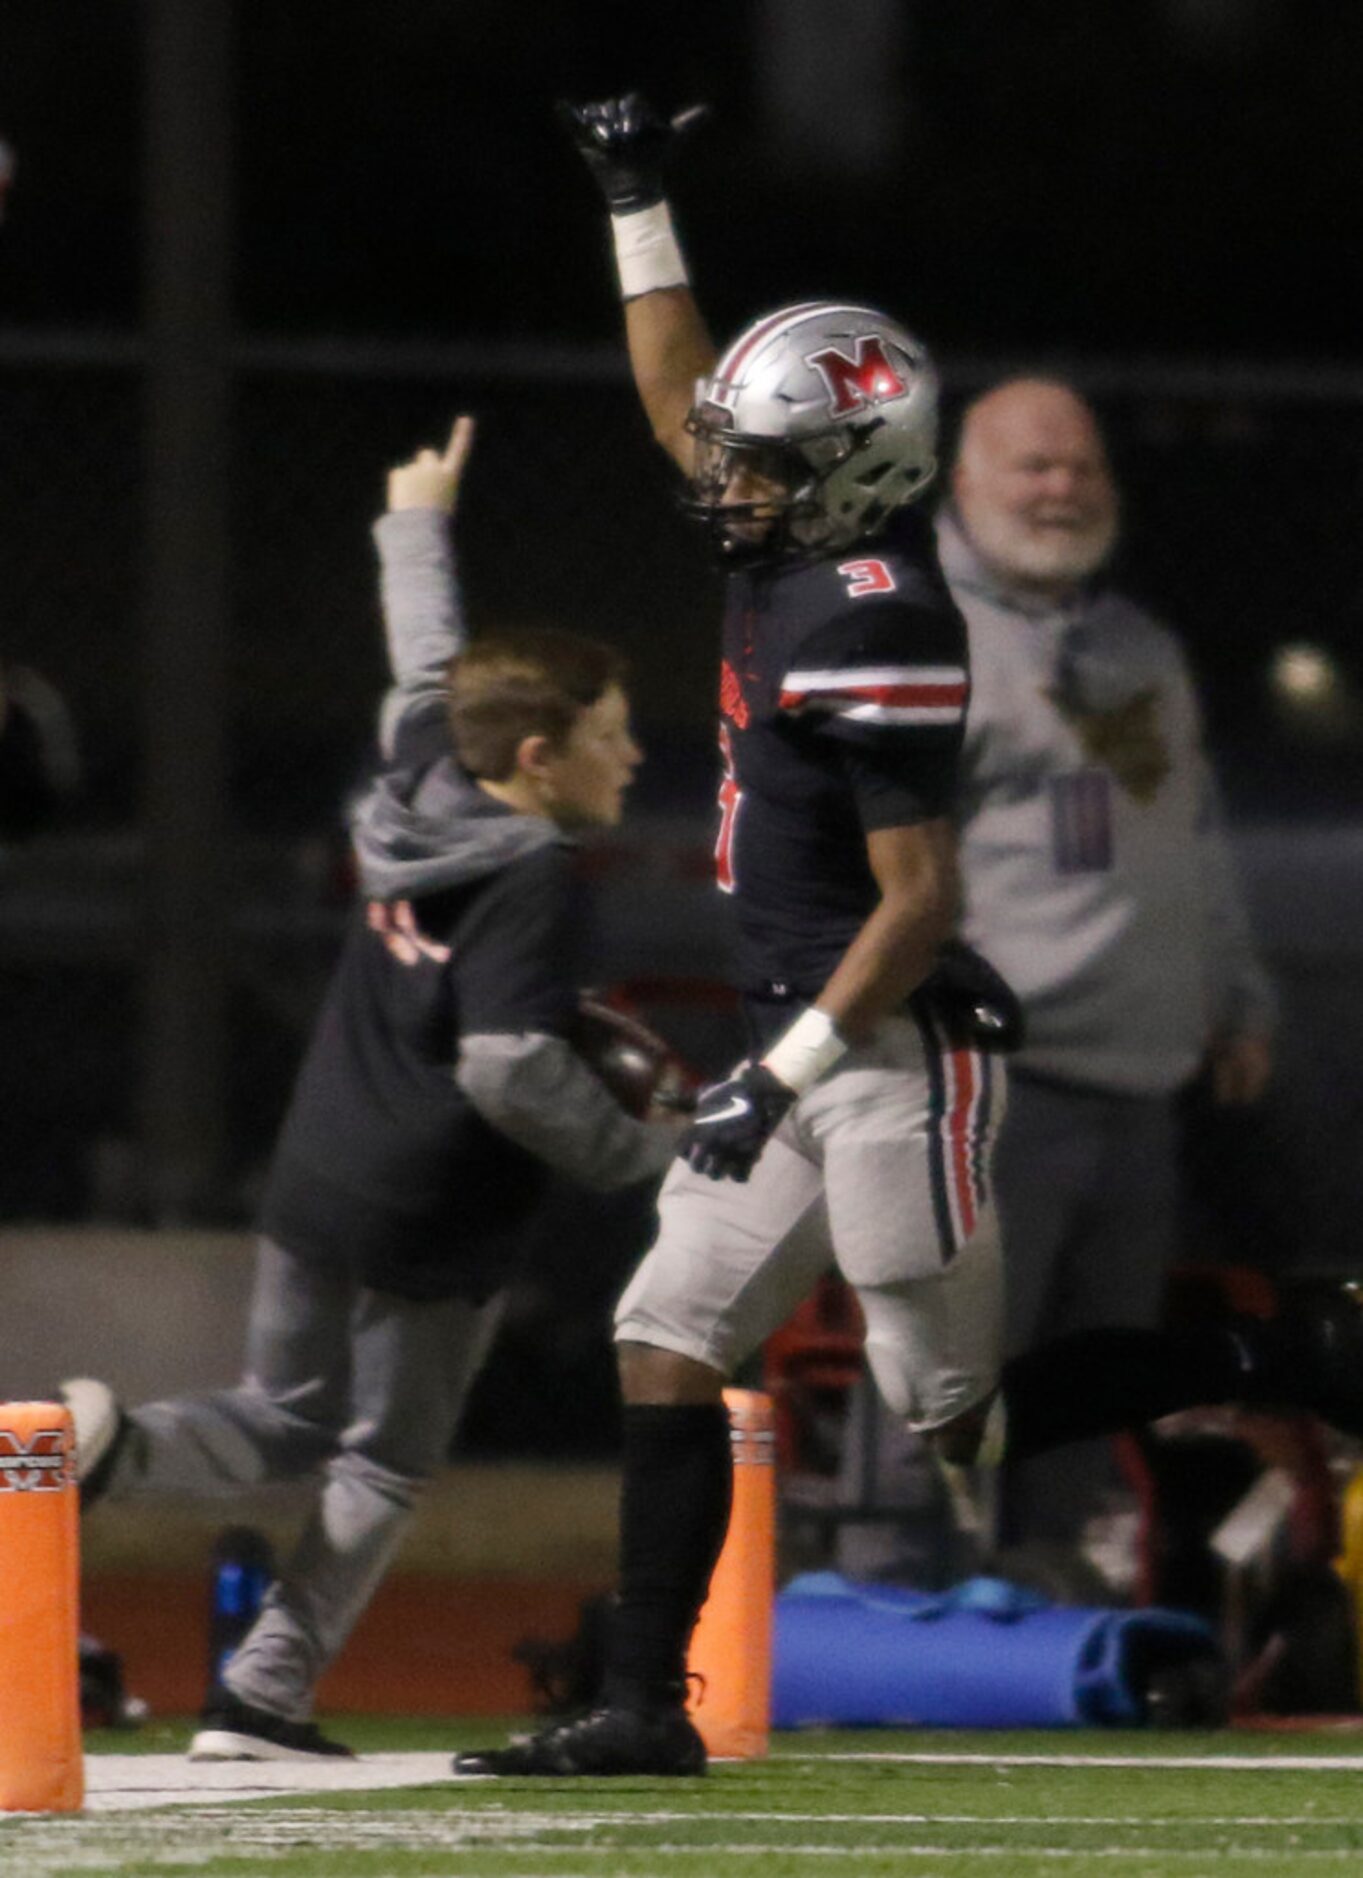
635, 1063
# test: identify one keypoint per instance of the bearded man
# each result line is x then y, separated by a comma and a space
1095, 876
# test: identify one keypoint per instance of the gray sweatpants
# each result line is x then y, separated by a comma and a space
357, 1390
1088, 1192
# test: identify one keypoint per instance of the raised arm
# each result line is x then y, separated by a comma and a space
669, 349
422, 613
628, 146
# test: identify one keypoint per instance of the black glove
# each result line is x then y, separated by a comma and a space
734, 1122
977, 1008
627, 145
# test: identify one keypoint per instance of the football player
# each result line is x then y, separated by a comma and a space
858, 1128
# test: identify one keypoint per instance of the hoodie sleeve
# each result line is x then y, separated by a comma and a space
515, 986
423, 619
511, 965
535, 1089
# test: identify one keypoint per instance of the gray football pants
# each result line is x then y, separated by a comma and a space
1087, 1191
357, 1389
879, 1168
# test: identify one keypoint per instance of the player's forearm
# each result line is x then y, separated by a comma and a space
915, 869
628, 147
669, 349
889, 958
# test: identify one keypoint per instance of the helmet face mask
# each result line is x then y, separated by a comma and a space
749, 493
817, 423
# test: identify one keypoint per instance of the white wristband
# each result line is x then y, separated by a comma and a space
646, 252
801, 1054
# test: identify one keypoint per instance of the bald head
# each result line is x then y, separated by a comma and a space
1032, 485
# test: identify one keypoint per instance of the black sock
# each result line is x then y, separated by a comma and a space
674, 1513
1095, 1382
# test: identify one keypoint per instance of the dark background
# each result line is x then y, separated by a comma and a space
1162, 199
1163, 175
1156, 184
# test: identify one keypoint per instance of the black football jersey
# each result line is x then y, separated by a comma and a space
843, 693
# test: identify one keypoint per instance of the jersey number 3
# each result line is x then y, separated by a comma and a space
866, 577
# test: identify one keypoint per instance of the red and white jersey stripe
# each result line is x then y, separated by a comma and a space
880, 694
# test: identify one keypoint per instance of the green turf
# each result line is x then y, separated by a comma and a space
805, 1811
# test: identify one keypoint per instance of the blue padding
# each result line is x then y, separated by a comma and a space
984, 1655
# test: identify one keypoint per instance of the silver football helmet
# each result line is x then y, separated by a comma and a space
817, 423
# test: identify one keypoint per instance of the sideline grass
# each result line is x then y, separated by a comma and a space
1182, 1806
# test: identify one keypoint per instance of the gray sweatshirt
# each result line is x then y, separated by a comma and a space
1096, 875
421, 832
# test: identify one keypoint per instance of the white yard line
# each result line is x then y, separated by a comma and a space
780, 1849
131, 1782
128, 1782
216, 1810
203, 1815
444, 1832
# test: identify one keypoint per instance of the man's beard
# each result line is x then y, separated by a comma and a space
1042, 556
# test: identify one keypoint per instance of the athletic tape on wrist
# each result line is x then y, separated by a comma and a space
646, 253
801, 1054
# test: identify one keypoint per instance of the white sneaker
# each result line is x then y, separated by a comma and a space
99, 1423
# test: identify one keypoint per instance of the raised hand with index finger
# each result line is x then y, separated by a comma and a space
431, 479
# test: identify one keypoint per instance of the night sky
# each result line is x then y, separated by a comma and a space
1079, 183
1167, 175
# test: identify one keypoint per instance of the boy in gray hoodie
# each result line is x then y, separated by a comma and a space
439, 1089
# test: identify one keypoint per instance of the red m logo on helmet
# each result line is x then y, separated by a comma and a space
867, 378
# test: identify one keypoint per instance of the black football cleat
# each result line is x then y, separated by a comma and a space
608, 1741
